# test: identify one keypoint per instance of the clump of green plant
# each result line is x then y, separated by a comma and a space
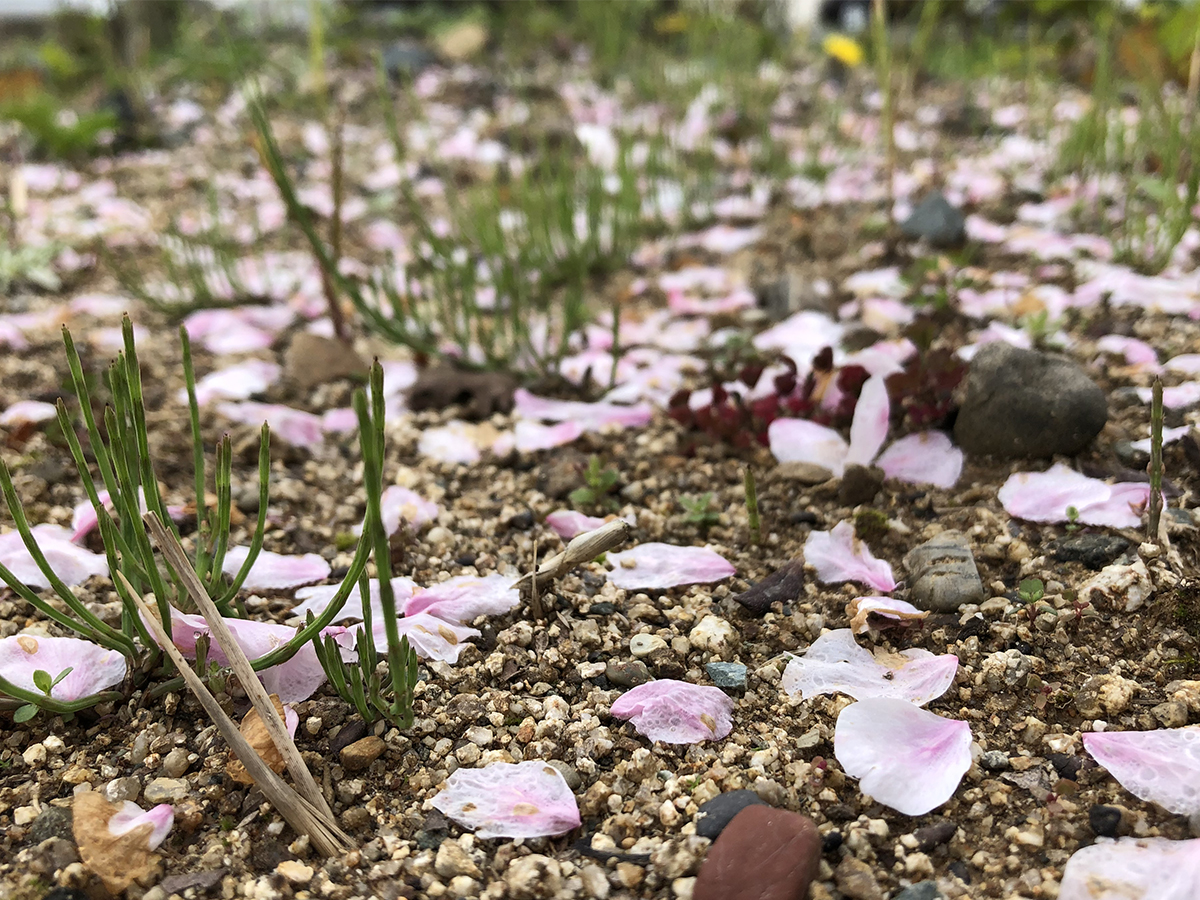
700, 511
56, 131
750, 488
28, 264
125, 470
1031, 590
598, 485
870, 525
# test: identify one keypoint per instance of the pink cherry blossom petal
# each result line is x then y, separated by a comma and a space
297, 427
860, 610
529, 437
70, 562
529, 799
93, 668
429, 636
236, 382
400, 504
839, 556
676, 712
799, 440
276, 571
316, 599
1177, 396
929, 457
1161, 767
1046, 497
1133, 869
567, 523
870, 425
589, 416
464, 598
453, 444
657, 566
28, 411
130, 816
836, 663
903, 756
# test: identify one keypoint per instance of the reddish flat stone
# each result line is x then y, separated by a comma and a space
763, 854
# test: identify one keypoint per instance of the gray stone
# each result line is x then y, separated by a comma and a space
730, 676
627, 674
53, 855
52, 822
175, 763
944, 574
936, 221
714, 815
1093, 550
166, 790
994, 760
1024, 403
1129, 455
922, 890
121, 789
570, 776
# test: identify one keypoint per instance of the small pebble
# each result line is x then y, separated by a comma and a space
642, 645
713, 816
295, 871
627, 674
165, 790
1104, 820
994, 760
730, 676
362, 753
176, 763
922, 890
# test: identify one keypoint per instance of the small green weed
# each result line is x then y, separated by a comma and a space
700, 511
1031, 590
598, 485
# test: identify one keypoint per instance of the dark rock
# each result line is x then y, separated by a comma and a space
1131, 456
627, 674
831, 841
53, 855
1023, 403
922, 890
266, 853
840, 812
482, 393
603, 608
312, 359
522, 521
200, 882
713, 816
1065, 765
801, 472
1093, 550
406, 58
52, 822
944, 576
666, 664
936, 221
763, 854
803, 517
959, 870
1126, 397
433, 831
933, 835
859, 484
781, 586
726, 675
347, 735
1105, 820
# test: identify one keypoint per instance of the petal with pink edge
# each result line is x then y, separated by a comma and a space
1045, 496
70, 562
1123, 508
1133, 869
276, 571
297, 427
836, 663
657, 566
799, 440
464, 598
870, 425
1161, 767
93, 668
590, 416
839, 556
676, 712
529, 799
129, 816
429, 636
317, 598
903, 756
28, 411
567, 523
400, 504
453, 444
929, 457
529, 437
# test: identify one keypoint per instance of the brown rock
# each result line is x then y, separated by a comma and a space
362, 753
802, 472
482, 393
763, 854
856, 880
312, 359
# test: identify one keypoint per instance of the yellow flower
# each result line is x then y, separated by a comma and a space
845, 50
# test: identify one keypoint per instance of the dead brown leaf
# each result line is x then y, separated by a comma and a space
256, 735
117, 860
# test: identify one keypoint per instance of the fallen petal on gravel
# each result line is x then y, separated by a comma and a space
929, 457
903, 756
297, 427
860, 609
1047, 496
70, 562
676, 712
1161, 767
657, 566
1133, 869
315, 599
429, 636
275, 571
510, 800
799, 440
464, 598
836, 663
589, 416
31, 411
130, 816
870, 425
839, 556
93, 668
567, 523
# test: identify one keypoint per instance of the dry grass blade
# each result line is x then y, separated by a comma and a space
326, 837
174, 553
582, 548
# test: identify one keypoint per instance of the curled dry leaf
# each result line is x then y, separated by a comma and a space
255, 732
900, 612
118, 860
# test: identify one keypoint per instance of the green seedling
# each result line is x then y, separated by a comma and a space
1031, 590
700, 511
598, 484
1156, 461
